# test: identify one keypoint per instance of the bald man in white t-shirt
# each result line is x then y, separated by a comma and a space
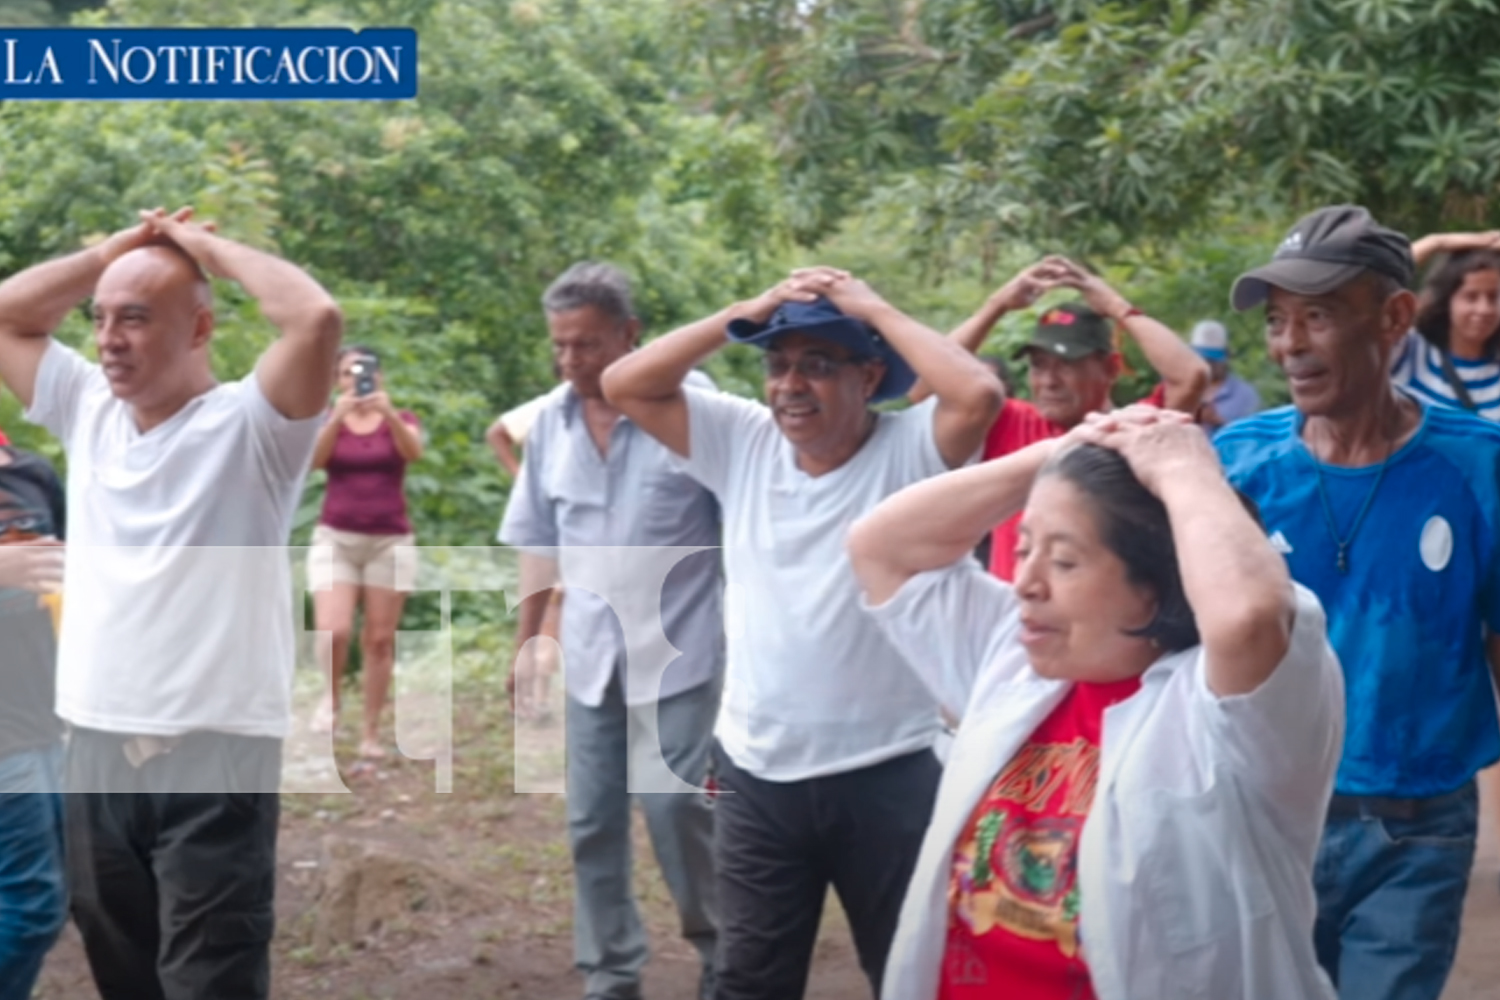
176, 652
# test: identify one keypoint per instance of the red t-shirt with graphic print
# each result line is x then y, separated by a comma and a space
1013, 893
1018, 425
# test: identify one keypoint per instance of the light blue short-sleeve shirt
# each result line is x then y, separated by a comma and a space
628, 527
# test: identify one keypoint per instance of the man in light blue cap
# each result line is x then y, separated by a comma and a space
1229, 397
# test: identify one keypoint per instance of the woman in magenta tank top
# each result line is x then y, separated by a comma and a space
362, 550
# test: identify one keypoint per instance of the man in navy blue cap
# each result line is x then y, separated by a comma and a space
824, 735
1389, 511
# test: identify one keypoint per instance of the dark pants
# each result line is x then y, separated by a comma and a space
1391, 897
777, 848
173, 870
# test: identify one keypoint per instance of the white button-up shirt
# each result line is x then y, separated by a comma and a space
1195, 863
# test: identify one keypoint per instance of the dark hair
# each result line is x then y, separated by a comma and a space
1133, 525
589, 283
360, 349
1435, 317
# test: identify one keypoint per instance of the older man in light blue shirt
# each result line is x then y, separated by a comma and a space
592, 483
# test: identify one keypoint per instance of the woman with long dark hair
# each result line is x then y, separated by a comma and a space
1150, 719
1453, 356
360, 553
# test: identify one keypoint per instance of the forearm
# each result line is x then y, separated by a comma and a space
901, 538
504, 448
968, 335
657, 370
1426, 247
288, 296
538, 577
1185, 374
943, 364
407, 438
1237, 585
34, 302
529, 616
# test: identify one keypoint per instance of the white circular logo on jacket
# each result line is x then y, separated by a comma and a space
1437, 543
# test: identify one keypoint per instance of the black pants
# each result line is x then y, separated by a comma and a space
173, 870
777, 848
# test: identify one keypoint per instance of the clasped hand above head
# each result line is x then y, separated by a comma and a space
1054, 272
852, 296
157, 226
1157, 444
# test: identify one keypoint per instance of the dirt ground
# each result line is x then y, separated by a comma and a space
396, 891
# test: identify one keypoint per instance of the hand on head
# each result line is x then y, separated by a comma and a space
178, 227
802, 285
1054, 272
1154, 442
1030, 284
157, 227
852, 296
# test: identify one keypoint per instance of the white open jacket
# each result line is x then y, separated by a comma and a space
1195, 862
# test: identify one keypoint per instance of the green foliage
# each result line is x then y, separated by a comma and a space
42, 13
544, 133
1097, 124
932, 146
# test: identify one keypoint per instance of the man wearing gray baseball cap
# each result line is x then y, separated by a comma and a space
1390, 512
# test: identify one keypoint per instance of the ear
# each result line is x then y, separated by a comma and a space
203, 327
1114, 364
872, 374
1397, 315
633, 333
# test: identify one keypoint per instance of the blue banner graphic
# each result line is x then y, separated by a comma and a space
208, 64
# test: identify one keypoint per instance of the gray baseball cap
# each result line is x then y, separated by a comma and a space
1324, 250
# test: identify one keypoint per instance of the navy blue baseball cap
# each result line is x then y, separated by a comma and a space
822, 319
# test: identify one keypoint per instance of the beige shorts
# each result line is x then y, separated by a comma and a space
385, 561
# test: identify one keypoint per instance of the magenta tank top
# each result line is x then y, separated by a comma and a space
365, 482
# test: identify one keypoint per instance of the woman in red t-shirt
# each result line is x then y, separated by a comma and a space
361, 550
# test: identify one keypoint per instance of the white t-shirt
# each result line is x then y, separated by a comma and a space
812, 687
178, 601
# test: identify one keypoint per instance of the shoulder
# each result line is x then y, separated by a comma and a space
1256, 441
545, 411
911, 423
708, 403
1468, 443
1446, 422
1018, 424
1262, 430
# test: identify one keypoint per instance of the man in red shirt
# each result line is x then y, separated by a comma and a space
1074, 365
